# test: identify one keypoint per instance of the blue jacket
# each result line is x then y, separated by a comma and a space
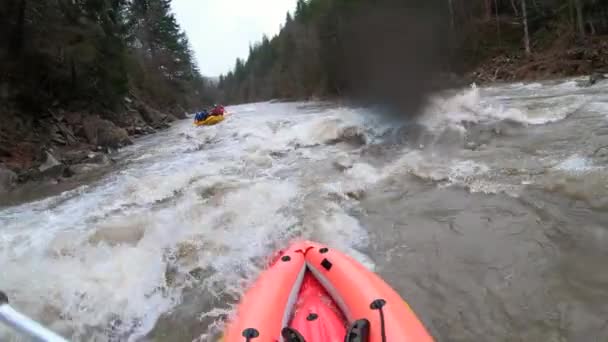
201, 115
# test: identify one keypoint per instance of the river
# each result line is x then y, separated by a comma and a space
489, 214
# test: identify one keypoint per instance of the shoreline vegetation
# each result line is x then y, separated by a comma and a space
368, 48
81, 79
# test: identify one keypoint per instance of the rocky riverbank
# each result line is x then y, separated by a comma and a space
57, 150
563, 58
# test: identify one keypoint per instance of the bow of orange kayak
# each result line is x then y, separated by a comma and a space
314, 293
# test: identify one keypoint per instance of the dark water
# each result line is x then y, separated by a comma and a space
489, 215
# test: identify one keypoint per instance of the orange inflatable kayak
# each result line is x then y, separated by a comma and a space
314, 293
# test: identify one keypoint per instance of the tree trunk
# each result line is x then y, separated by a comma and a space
497, 23
525, 21
17, 38
579, 18
591, 27
538, 8
515, 11
451, 9
571, 13
487, 9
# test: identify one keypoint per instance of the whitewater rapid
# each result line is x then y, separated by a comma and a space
161, 248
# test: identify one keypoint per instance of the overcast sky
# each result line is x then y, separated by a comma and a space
221, 30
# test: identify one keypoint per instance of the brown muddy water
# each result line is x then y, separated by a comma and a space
489, 215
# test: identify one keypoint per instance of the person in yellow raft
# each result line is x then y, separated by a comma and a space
212, 117
218, 110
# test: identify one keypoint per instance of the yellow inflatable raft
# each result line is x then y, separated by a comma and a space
209, 121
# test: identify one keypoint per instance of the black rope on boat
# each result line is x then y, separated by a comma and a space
378, 304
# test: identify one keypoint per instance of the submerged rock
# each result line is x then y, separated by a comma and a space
343, 163
353, 135
595, 77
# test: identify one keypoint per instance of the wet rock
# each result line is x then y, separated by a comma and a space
356, 195
354, 135
105, 134
140, 130
153, 117
7, 179
73, 118
197, 273
351, 135
180, 113
343, 163
472, 145
29, 175
601, 154
98, 158
79, 169
92, 161
59, 139
75, 156
595, 77
67, 172
51, 167
62, 134
195, 148
171, 118
116, 235
278, 154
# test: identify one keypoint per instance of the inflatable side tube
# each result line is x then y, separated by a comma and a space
363, 295
211, 120
316, 317
267, 306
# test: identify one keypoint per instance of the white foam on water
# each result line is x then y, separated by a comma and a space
99, 255
338, 226
474, 106
598, 107
102, 253
445, 172
576, 164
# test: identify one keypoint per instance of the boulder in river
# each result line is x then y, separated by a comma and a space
595, 77
104, 133
343, 162
153, 117
98, 158
73, 118
92, 161
83, 168
75, 156
51, 167
7, 179
353, 135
